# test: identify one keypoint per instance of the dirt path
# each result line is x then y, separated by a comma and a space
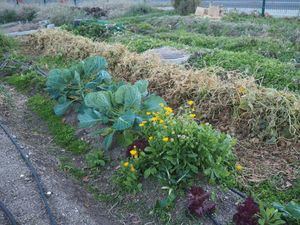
70, 203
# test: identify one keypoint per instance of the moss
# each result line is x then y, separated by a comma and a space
64, 134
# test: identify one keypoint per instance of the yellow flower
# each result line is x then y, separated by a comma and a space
148, 113
165, 139
132, 169
134, 153
190, 102
192, 115
238, 167
161, 104
242, 90
165, 127
142, 123
150, 138
126, 164
161, 121
154, 119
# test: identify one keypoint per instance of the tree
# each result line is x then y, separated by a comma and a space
185, 7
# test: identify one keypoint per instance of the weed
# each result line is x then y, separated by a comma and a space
27, 82
67, 166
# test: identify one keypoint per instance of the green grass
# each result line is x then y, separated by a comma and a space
6, 44
268, 192
264, 46
270, 72
64, 135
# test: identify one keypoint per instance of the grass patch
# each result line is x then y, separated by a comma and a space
63, 134
6, 44
270, 72
27, 82
284, 51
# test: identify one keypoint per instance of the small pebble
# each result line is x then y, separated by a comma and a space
49, 193
22, 175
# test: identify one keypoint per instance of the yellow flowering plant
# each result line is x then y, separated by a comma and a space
127, 176
180, 148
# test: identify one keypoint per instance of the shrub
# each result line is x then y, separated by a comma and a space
8, 15
60, 15
185, 7
179, 148
27, 13
139, 9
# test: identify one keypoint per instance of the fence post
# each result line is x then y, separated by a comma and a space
45, 1
263, 8
75, 2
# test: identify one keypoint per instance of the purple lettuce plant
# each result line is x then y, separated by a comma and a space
247, 213
199, 203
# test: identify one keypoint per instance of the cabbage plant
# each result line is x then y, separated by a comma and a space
69, 86
122, 110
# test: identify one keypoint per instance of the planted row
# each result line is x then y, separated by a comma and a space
88, 89
176, 149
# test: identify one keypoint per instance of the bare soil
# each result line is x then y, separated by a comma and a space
70, 202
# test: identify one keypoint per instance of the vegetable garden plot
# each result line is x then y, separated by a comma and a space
163, 129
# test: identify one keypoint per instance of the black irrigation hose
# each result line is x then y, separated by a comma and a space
213, 219
34, 174
8, 214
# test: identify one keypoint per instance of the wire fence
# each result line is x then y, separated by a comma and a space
282, 8
272, 7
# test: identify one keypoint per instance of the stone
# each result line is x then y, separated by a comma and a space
214, 12
170, 55
200, 11
50, 26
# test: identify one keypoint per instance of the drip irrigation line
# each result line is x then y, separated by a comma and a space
34, 174
238, 192
213, 219
8, 214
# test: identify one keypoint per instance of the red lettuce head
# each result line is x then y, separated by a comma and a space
199, 203
247, 213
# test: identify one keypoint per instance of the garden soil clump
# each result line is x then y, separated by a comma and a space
70, 203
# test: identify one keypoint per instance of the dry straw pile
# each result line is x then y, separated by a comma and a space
239, 102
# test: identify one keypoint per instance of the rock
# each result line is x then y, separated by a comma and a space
170, 55
50, 26
200, 11
214, 11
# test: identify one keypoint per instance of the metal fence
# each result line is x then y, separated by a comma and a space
272, 7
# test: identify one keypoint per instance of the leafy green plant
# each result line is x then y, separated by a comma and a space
98, 29
122, 109
269, 216
95, 159
127, 177
179, 149
69, 86
291, 211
